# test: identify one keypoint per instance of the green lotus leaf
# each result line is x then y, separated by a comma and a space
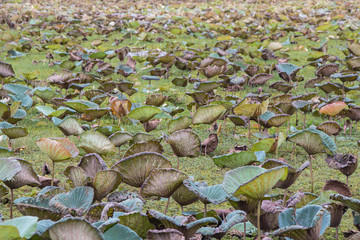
98, 55
41, 227
172, 110
9, 232
144, 113
141, 137
15, 132
180, 82
136, 168
4, 125
26, 227
185, 143
162, 182
299, 104
46, 94
46, 110
277, 120
3, 190
108, 130
120, 138
16, 88
57, 149
313, 141
352, 203
105, 182
61, 112
206, 86
68, 65
137, 222
134, 205
208, 114
310, 222
179, 223
245, 108
183, 196
244, 203
105, 210
293, 173
207, 194
81, 105
264, 145
252, 182
73, 228
235, 160
166, 234
121, 232
13, 108
231, 220
26, 100
179, 123
238, 120
199, 97
77, 201
5, 152
38, 207
96, 142
287, 68
149, 146
209, 213
9, 167
68, 126
103, 226
19, 115
26, 176
4, 111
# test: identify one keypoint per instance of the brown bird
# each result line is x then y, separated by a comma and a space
213, 128
45, 170
210, 144
151, 125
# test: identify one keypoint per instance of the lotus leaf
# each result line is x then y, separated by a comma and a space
162, 182
179, 223
310, 222
18, 228
77, 201
252, 182
149, 146
184, 143
73, 228
136, 168
144, 113
235, 160
313, 141
96, 142
208, 114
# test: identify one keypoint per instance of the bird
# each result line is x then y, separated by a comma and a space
209, 145
151, 125
45, 170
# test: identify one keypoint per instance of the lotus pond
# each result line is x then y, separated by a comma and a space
181, 120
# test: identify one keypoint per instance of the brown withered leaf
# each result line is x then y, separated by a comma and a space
119, 108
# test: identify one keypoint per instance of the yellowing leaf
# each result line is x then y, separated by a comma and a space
223, 38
